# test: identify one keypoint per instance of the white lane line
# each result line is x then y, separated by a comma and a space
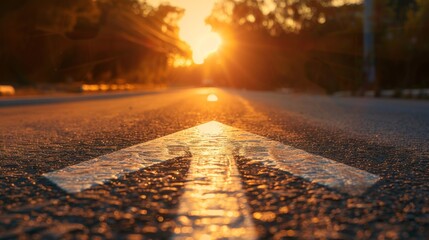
213, 205
273, 154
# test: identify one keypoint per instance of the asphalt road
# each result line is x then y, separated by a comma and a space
388, 138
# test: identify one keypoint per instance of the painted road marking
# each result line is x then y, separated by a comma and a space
300, 163
187, 143
213, 205
82, 176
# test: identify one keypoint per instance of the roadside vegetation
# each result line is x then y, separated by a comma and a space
85, 41
301, 44
318, 45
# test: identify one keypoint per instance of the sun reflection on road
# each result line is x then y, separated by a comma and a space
210, 129
213, 205
212, 98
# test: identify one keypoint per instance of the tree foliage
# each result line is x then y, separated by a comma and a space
317, 44
86, 40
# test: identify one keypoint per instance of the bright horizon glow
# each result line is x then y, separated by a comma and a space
193, 30
207, 45
342, 2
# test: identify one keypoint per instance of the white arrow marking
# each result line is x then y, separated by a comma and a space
213, 204
196, 142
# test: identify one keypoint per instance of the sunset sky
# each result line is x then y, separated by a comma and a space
193, 29
195, 32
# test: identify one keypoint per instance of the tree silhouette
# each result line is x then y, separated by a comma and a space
316, 44
84, 40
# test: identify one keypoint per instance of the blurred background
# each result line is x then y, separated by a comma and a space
320, 46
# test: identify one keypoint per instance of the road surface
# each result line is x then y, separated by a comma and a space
387, 140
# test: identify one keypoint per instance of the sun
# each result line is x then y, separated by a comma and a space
206, 45
194, 30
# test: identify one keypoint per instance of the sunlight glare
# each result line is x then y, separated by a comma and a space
207, 44
193, 29
212, 98
210, 128
179, 61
